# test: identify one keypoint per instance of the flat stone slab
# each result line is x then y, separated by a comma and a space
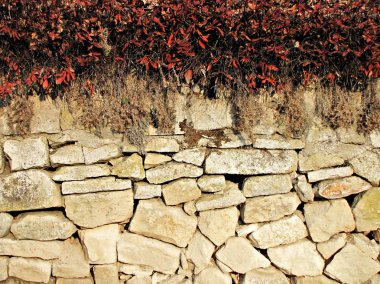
366, 210
67, 155
338, 188
367, 166
251, 162
229, 197
200, 250
80, 172
268, 275
95, 185
101, 154
162, 145
28, 248
180, 191
154, 159
212, 274
331, 173
130, 167
22, 268
266, 185
144, 190
171, 171
191, 156
212, 183
277, 143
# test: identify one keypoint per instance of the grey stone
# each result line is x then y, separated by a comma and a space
338, 188
191, 156
96, 185
180, 191
67, 155
5, 224
171, 171
266, 185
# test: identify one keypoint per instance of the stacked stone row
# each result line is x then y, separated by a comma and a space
77, 208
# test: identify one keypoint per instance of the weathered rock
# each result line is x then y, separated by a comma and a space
327, 218
169, 224
102, 154
212, 183
95, 209
338, 188
30, 269
266, 185
375, 138
318, 161
140, 280
321, 279
72, 261
28, 153
351, 265
42, 226
240, 256
4, 267
100, 243
2, 160
106, 274
191, 156
277, 142
300, 258
26, 248
144, 190
230, 197
180, 191
80, 172
218, 225
350, 136
268, 275
367, 246
139, 250
304, 190
368, 166
245, 230
225, 140
139, 270
67, 155
284, 231
87, 280
189, 208
172, 171
130, 167
212, 275
331, 173
95, 185
328, 248
45, 118
162, 145
251, 162
366, 209
5, 224
27, 190
317, 133
200, 250
154, 159
269, 208
374, 279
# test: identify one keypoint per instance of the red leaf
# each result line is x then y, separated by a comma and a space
201, 44
45, 84
169, 43
188, 76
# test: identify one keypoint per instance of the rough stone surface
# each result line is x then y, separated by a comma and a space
375, 138
245, 230
5, 224
154, 159
338, 188
284, 231
218, 225
27, 248
318, 161
269, 208
95, 185
169, 224
180, 191
162, 145
240, 256
2, 160
67, 155
139, 250
87, 280
321, 279
361, 267
104, 153
277, 143
367, 166
80, 172
331, 173
95, 209
200, 250
27, 190
106, 274
191, 156
367, 246
212, 183
304, 190
266, 185
45, 118
100, 243
172, 171
72, 261
230, 197
42, 226
251, 162
268, 275
144, 190
212, 275
327, 218
130, 167
30, 269
139, 270
27, 154
350, 136
300, 258
3, 268
366, 210
328, 248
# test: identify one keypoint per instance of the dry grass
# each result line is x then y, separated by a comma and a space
20, 113
369, 116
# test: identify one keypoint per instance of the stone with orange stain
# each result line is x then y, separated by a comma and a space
338, 188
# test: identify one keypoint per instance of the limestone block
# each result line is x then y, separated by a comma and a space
180, 191
30, 269
321, 279
375, 138
138, 270
245, 230
367, 166
155, 159
304, 190
106, 274
265, 275
4, 267
212, 183
316, 161
171, 171
191, 156
162, 145
331, 173
80, 172
328, 248
27, 154
200, 250
67, 155
95, 185
5, 224
367, 246
101, 154
366, 209
266, 185
87, 280
229, 197
144, 190
338, 188
212, 275
130, 167
45, 118
277, 142
27, 248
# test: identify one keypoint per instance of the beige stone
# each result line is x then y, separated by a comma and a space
318, 134
366, 209
155, 159
162, 145
139, 270
338, 188
27, 154
268, 275
144, 190
361, 267
191, 156
180, 191
95, 185
106, 274
95, 209
266, 185
28, 190
367, 246
269, 208
171, 171
72, 262
300, 258
101, 154
212, 183
318, 161
166, 223
375, 138
321, 279
229, 197
251, 162
5, 128
350, 136
331, 173
30, 269
304, 190
130, 167
277, 142
212, 275
80, 172
327, 218
245, 230
27, 248
139, 250
284, 231
367, 166
5, 224
189, 208
46, 117
4, 267
67, 155
200, 250
140, 280
226, 140
2, 160
374, 279
42, 226
87, 280
328, 248
218, 225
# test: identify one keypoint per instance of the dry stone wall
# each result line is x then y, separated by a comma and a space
82, 208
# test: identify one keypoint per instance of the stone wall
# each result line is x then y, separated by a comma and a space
82, 208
